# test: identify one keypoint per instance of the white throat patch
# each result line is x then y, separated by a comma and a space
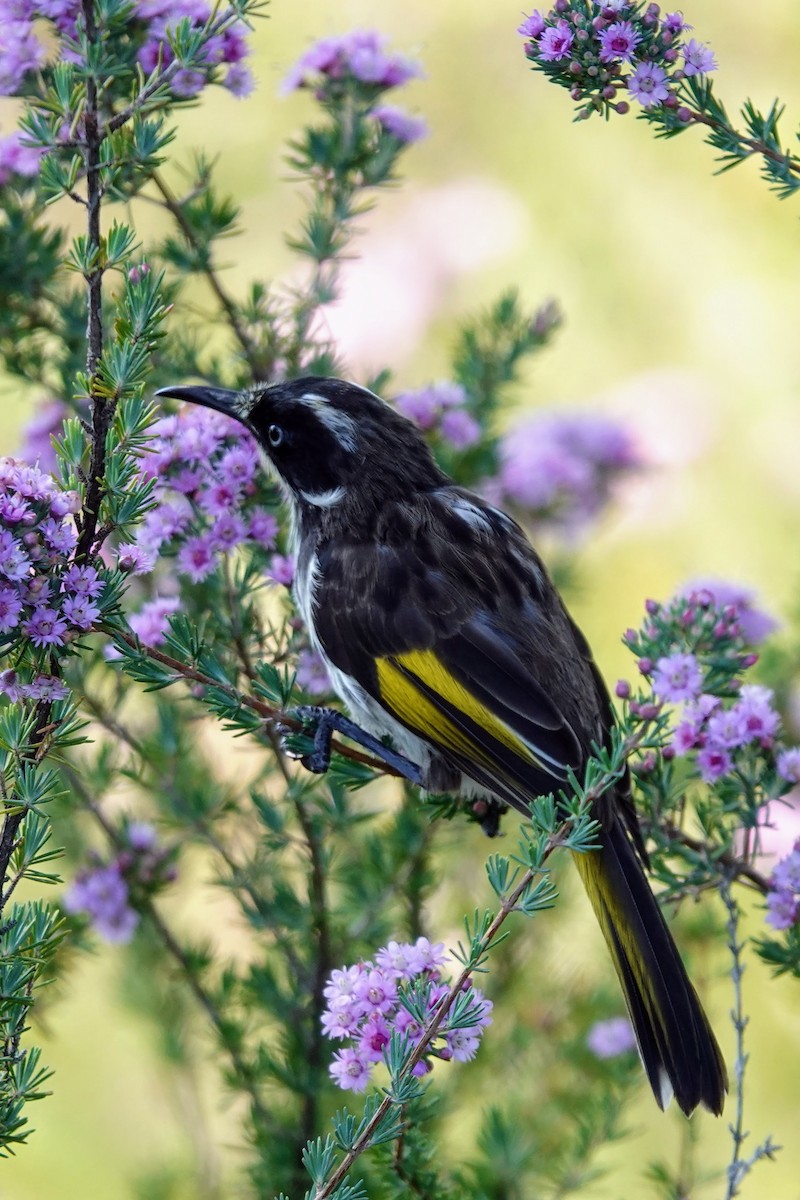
324, 499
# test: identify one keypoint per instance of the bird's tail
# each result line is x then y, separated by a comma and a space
676, 1044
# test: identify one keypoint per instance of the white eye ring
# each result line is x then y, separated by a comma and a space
275, 435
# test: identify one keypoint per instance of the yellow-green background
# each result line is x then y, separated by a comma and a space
681, 294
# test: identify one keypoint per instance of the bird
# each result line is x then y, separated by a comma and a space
441, 628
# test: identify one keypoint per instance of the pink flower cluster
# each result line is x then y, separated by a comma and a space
362, 58
783, 898
103, 891
226, 50
442, 408
42, 596
693, 650
599, 49
204, 467
562, 467
365, 1005
715, 731
149, 27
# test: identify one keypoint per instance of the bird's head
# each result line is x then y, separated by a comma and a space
331, 443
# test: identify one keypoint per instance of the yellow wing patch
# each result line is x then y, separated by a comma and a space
396, 679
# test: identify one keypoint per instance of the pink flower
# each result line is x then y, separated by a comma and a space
714, 762
786, 875
728, 727
10, 608
312, 674
136, 559
196, 558
421, 407
463, 1044
754, 707
377, 991
619, 41
150, 624
341, 1021
427, 956
555, 42
374, 1037
698, 58
350, 1070
281, 569
400, 124
648, 84
46, 627
397, 959
783, 909
675, 24
533, 25
677, 677
789, 765
460, 428
262, 527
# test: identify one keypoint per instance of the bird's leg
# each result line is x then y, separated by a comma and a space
324, 722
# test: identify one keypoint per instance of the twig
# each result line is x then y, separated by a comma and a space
102, 408
739, 1167
268, 712
737, 868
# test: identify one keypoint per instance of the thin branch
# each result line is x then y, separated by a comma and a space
102, 408
274, 716
753, 145
737, 868
740, 1021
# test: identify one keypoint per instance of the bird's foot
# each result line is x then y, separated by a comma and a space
321, 723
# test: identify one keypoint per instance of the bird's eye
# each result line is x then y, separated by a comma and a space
275, 435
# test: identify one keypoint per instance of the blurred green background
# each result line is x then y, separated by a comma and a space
681, 294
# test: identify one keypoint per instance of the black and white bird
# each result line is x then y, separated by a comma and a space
440, 627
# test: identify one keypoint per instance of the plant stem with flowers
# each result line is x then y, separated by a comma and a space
603, 53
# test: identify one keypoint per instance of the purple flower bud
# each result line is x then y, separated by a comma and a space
645, 665
623, 689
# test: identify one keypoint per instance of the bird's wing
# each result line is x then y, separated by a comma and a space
474, 654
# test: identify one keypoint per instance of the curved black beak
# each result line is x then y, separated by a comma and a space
220, 399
